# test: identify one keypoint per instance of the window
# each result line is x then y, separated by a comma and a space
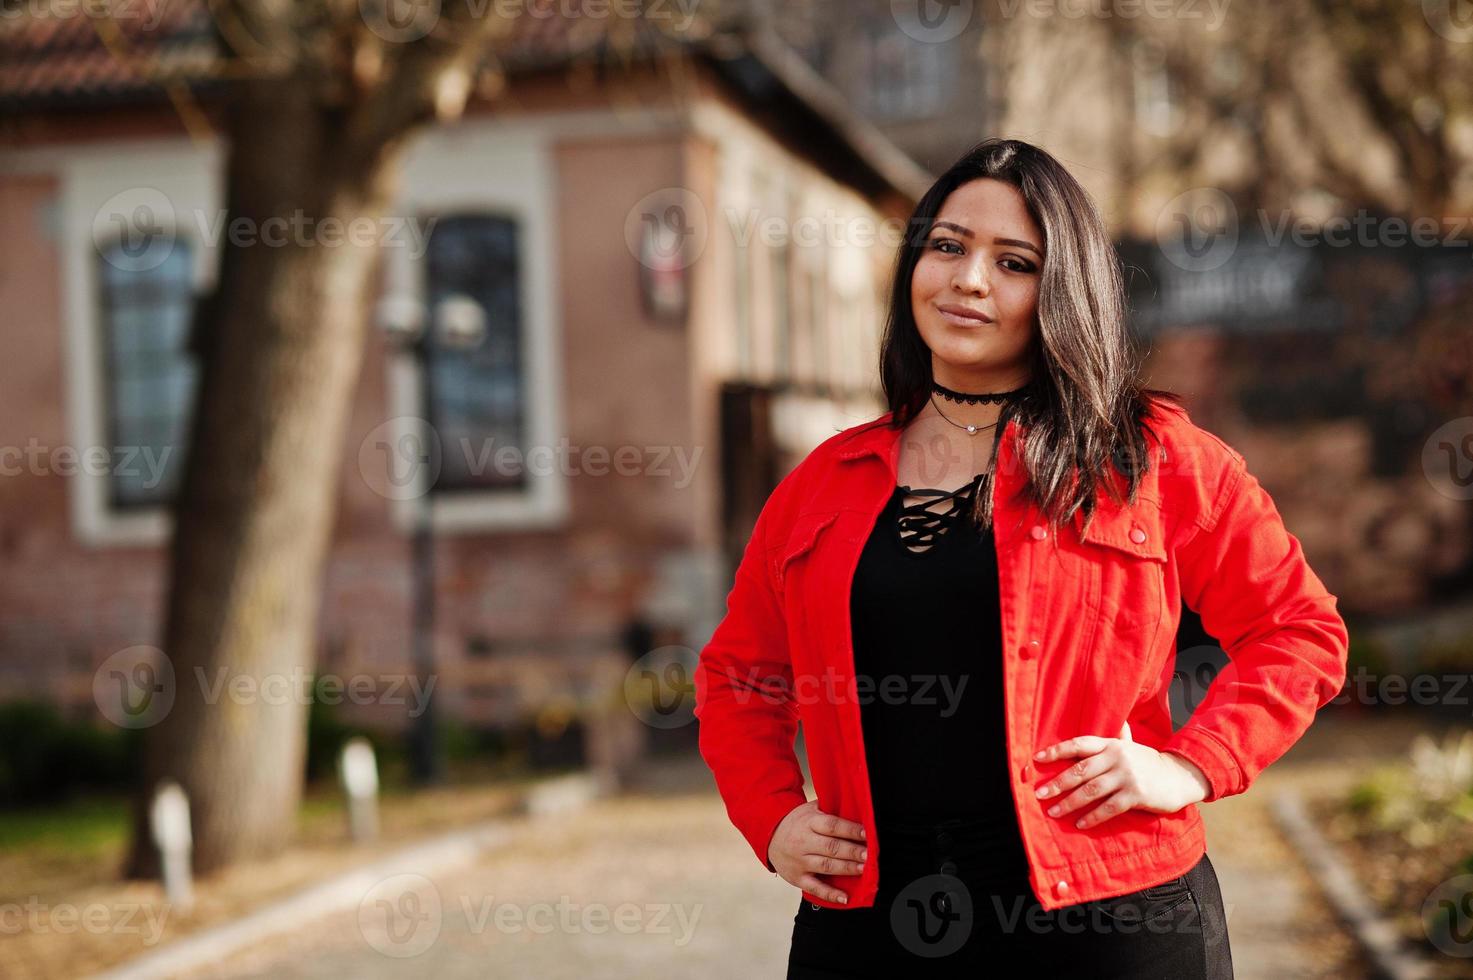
780, 281
904, 78
818, 299
145, 309
741, 284
476, 397
1155, 107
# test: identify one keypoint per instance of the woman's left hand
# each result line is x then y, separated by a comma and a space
1119, 774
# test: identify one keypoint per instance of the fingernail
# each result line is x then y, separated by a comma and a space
864, 854
1040, 754
843, 899
861, 833
1053, 811
1042, 791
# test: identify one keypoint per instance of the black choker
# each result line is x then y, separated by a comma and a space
981, 398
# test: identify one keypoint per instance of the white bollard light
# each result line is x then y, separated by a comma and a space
359, 773
169, 818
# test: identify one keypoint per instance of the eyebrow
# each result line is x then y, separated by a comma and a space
967, 232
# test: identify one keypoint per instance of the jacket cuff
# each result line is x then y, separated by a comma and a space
1207, 752
763, 818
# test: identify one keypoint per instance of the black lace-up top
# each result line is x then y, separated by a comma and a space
928, 662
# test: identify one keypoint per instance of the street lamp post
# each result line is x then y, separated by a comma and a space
458, 323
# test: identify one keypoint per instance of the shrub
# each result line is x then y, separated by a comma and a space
45, 757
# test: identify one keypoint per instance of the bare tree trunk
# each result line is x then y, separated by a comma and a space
281, 341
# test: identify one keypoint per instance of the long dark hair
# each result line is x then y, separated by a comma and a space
1084, 406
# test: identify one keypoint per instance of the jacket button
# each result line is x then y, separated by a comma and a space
1062, 888
948, 868
1030, 649
1137, 535
1038, 533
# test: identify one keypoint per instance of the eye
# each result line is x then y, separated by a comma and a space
939, 245
1023, 264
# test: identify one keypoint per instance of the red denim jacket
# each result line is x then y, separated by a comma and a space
1089, 620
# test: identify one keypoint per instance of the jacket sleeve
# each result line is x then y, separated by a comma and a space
1248, 579
743, 688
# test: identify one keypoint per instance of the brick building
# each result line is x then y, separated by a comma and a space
707, 376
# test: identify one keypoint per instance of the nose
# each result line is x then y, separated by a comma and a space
971, 277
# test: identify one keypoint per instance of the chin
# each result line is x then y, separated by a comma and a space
964, 351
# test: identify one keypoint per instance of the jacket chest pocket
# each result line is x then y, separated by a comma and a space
798, 574
1124, 554
789, 558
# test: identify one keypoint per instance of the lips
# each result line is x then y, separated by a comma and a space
963, 315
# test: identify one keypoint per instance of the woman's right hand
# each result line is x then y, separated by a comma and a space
809, 842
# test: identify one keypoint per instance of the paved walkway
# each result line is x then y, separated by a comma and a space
659, 883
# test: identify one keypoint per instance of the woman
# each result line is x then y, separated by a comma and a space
970, 603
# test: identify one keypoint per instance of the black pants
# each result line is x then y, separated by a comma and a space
954, 901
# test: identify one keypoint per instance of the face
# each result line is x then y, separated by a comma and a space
983, 254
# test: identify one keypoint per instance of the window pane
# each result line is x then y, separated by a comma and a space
145, 308
477, 396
